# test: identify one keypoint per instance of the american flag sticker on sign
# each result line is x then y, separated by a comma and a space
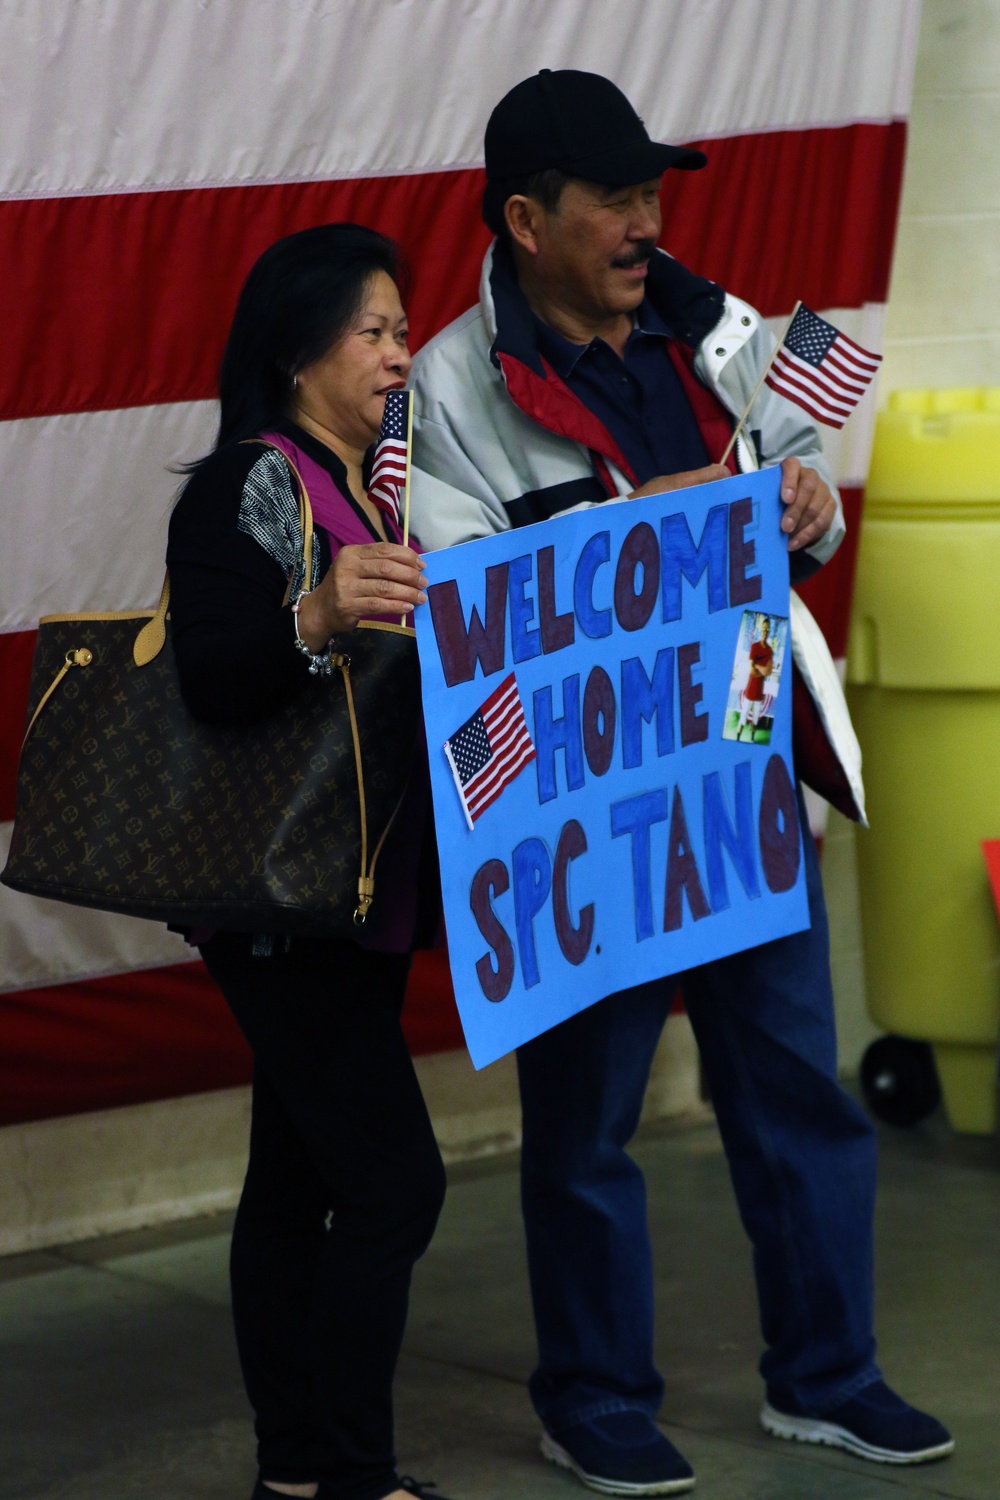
490, 749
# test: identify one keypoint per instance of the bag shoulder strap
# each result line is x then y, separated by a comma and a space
150, 640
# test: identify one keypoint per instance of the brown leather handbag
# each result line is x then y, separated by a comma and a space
127, 803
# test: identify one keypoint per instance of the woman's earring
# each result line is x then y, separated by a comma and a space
295, 382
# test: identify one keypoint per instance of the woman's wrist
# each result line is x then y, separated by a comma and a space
313, 643
313, 625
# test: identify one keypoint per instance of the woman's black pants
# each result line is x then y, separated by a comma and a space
342, 1192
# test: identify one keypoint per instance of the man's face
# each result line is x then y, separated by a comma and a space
592, 252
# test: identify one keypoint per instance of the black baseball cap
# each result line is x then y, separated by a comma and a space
581, 123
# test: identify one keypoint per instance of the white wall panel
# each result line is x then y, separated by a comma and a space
943, 321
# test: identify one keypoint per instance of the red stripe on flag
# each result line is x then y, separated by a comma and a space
517, 759
157, 1034
847, 367
102, 1043
502, 713
735, 221
124, 299
799, 372
504, 691
502, 770
16, 654
862, 357
844, 378
808, 398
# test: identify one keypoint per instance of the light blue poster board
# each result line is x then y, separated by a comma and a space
608, 706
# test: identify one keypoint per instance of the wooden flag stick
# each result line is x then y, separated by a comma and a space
406, 480
756, 390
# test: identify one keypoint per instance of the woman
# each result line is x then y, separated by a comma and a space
345, 1181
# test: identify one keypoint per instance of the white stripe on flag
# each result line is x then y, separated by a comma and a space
808, 402
504, 752
244, 91
50, 942
841, 391
790, 372
854, 352
482, 801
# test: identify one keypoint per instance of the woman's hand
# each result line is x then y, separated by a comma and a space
380, 578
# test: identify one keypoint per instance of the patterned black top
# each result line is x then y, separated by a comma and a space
234, 538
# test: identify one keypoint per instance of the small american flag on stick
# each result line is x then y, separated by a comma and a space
490, 749
389, 466
821, 369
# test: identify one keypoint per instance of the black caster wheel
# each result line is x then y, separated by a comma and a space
899, 1080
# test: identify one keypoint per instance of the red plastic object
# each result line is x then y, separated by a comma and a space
991, 854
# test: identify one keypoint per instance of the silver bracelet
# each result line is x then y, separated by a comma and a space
321, 663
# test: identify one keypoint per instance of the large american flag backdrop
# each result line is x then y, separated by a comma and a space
152, 148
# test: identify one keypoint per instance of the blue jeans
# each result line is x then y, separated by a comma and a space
801, 1156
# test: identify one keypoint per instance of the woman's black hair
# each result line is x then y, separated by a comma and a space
300, 297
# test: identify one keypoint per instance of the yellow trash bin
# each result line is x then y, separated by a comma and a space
924, 690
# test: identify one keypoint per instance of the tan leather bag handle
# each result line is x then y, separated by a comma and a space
149, 642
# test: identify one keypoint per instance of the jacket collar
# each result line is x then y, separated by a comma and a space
689, 304
564, 356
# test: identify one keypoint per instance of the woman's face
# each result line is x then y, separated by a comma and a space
345, 389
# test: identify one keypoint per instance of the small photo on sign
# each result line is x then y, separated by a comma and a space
756, 679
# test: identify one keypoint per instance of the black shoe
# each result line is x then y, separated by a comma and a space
420, 1487
875, 1424
621, 1453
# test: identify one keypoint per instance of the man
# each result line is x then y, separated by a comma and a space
597, 368
754, 696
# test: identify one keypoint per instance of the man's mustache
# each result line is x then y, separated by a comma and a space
641, 250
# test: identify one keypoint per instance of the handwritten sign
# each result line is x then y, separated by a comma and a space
608, 706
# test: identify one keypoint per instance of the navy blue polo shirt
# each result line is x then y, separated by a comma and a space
639, 398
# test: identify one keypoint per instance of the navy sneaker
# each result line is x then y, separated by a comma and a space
621, 1453
875, 1424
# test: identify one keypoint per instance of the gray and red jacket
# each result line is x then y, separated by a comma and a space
500, 441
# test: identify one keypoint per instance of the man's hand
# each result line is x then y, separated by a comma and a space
810, 502
683, 481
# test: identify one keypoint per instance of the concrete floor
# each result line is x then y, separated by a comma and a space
118, 1377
